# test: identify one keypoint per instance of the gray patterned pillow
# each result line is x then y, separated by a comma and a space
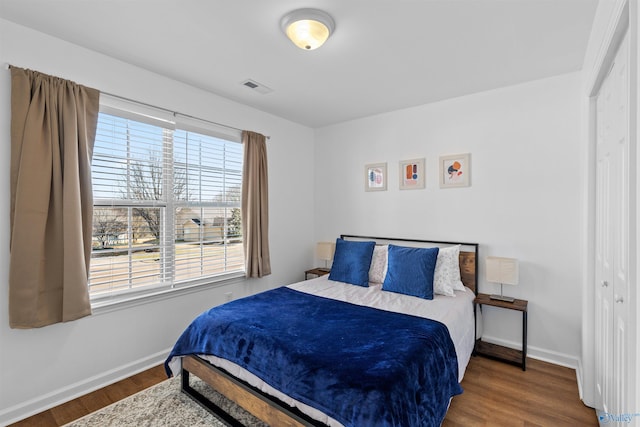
378, 269
446, 277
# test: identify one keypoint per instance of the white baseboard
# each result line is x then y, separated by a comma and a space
72, 391
538, 353
580, 377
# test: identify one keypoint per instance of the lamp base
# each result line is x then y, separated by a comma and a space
502, 298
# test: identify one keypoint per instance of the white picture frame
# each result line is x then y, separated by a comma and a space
411, 174
455, 170
375, 177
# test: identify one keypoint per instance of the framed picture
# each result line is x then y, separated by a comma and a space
455, 170
411, 174
375, 177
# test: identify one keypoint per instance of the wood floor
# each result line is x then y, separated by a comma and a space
495, 394
498, 394
91, 402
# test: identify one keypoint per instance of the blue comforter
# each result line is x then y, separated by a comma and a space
359, 365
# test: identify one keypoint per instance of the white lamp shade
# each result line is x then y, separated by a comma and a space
502, 270
307, 28
324, 250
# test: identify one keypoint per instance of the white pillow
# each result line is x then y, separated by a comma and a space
378, 269
446, 277
456, 279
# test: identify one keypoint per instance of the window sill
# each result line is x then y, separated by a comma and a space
107, 304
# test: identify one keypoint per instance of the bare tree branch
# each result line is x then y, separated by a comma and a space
108, 224
146, 184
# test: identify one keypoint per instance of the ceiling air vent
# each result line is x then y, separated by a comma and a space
258, 87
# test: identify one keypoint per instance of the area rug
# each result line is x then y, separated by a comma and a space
165, 405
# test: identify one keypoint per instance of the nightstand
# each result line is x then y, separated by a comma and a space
317, 272
517, 357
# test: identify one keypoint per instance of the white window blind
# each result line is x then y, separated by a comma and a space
208, 182
166, 204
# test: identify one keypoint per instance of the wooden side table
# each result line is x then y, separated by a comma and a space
316, 272
517, 357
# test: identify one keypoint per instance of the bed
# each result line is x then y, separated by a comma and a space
368, 344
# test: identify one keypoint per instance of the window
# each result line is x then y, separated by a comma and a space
166, 203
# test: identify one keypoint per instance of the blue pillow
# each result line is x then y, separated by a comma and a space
410, 271
351, 262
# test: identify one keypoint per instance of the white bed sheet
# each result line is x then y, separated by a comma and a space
455, 312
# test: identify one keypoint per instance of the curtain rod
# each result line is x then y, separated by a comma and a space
8, 66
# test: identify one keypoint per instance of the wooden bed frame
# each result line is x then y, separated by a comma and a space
268, 408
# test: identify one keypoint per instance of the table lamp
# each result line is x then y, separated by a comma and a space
504, 271
324, 251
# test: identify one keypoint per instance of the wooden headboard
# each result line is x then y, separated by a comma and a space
468, 254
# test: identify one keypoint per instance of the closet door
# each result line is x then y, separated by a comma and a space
612, 236
603, 253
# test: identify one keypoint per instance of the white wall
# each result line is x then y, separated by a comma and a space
41, 367
523, 201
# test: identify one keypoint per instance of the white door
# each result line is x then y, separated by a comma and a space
612, 237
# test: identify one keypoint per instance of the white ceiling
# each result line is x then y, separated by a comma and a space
384, 54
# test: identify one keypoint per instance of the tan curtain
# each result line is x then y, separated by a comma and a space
255, 205
53, 127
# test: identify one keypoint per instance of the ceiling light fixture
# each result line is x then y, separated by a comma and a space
307, 28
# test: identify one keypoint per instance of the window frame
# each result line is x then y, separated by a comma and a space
163, 289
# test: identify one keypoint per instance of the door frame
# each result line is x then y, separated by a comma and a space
625, 17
